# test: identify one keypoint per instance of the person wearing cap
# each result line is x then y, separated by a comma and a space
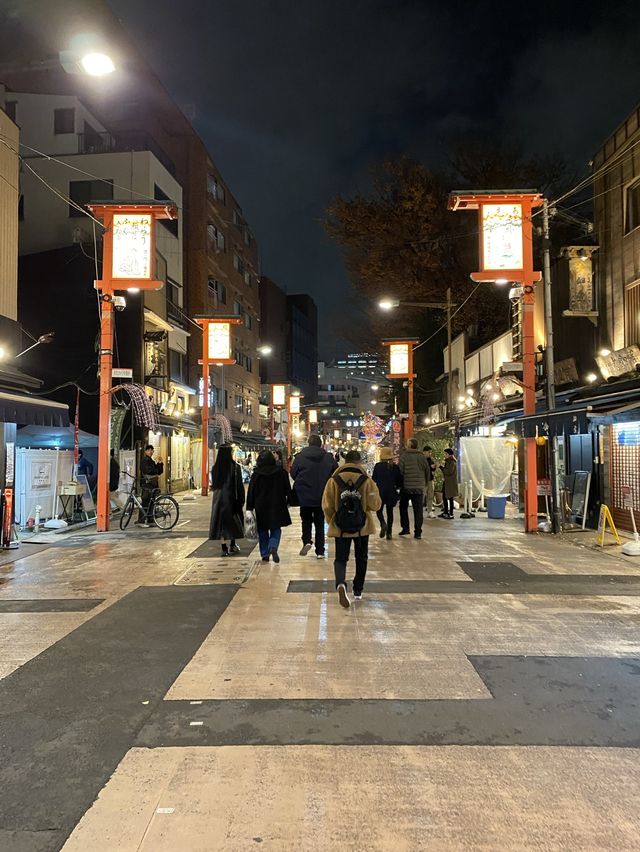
387, 476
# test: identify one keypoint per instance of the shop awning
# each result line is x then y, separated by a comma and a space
32, 410
569, 421
53, 437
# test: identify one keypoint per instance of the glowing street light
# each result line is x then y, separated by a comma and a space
265, 350
388, 304
375, 387
97, 64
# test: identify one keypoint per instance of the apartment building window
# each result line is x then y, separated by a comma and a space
21, 209
64, 120
84, 191
247, 278
248, 364
632, 314
10, 107
249, 408
176, 365
248, 321
238, 264
215, 238
237, 309
237, 218
215, 188
173, 292
170, 225
238, 402
218, 290
633, 207
248, 237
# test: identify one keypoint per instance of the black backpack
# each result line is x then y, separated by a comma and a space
350, 517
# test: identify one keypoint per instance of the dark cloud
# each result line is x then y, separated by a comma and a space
297, 98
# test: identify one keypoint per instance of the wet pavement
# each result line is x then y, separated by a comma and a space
485, 693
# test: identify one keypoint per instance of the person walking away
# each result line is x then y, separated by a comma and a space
431, 474
386, 475
227, 502
413, 467
311, 470
85, 468
450, 472
150, 472
268, 496
114, 479
349, 503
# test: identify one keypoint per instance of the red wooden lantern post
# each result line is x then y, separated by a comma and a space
128, 263
506, 255
216, 349
294, 411
401, 367
278, 402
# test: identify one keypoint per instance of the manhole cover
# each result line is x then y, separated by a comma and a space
225, 571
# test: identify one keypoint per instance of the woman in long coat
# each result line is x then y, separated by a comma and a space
450, 489
386, 475
228, 501
268, 496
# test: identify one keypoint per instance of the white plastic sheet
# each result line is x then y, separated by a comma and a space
488, 459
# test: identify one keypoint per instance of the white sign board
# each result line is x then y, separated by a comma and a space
122, 373
502, 236
131, 245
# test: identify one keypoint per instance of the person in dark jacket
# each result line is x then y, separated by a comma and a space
387, 476
413, 467
450, 488
268, 496
227, 503
85, 468
431, 473
312, 468
150, 472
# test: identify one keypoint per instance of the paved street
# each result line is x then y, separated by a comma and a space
484, 694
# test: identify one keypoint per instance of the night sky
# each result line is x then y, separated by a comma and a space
296, 99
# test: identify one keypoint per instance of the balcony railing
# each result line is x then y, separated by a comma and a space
113, 143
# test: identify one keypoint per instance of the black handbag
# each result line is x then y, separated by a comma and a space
294, 500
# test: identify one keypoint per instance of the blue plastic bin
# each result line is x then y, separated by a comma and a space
496, 507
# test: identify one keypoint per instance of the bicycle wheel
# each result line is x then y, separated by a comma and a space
127, 512
165, 512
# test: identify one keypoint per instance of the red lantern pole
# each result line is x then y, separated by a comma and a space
518, 248
129, 228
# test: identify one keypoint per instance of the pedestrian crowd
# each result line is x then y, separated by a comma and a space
341, 496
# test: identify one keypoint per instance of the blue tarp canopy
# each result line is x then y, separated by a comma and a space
53, 437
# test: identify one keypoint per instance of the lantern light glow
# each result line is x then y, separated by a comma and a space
279, 396
399, 359
294, 405
131, 245
219, 341
313, 415
502, 236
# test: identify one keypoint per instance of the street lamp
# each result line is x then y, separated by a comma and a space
44, 338
448, 306
97, 64
265, 350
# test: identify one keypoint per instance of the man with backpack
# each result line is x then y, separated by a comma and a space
350, 501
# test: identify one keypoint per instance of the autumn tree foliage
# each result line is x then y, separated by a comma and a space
400, 241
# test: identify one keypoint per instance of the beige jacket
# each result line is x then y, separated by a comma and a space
370, 500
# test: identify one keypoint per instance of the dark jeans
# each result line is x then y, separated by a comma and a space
448, 505
313, 516
416, 498
388, 508
343, 548
269, 540
146, 494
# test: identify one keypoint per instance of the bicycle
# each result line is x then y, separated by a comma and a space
162, 509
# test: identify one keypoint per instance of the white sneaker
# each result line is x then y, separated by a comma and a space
320, 556
343, 596
357, 597
305, 549
432, 515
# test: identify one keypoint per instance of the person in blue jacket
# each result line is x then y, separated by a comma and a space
387, 476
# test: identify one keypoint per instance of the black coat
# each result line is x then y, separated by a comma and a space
388, 478
268, 495
226, 508
311, 470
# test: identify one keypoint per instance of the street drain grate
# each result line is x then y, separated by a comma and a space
224, 572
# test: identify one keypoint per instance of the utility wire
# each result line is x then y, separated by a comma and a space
442, 327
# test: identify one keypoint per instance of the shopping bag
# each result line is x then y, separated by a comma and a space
250, 526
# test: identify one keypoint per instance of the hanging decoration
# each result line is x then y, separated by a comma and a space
373, 429
144, 411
